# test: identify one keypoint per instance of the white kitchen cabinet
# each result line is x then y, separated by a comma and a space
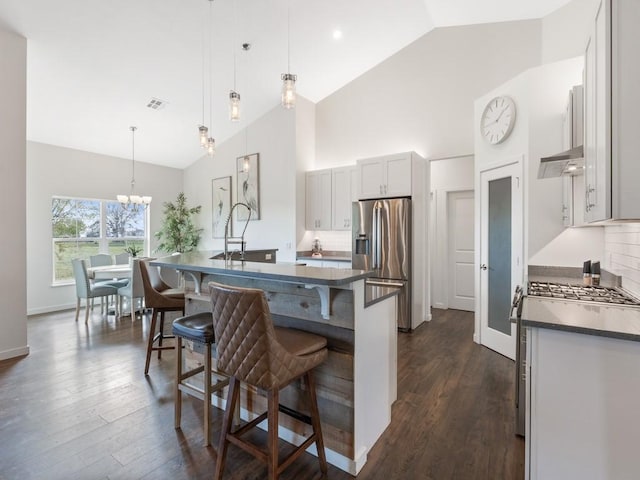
612, 102
344, 191
327, 263
318, 200
385, 177
583, 393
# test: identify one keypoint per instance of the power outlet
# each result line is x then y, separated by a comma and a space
288, 245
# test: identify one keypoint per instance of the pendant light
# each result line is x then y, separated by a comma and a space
211, 143
133, 199
206, 140
288, 97
234, 96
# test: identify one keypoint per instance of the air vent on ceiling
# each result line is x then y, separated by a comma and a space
156, 103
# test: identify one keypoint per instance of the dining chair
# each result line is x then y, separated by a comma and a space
251, 350
101, 260
134, 290
84, 289
161, 298
122, 258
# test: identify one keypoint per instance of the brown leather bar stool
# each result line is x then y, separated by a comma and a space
197, 328
252, 350
161, 298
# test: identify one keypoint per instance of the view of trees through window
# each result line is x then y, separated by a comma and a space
81, 228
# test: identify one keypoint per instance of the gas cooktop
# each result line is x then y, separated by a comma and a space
582, 293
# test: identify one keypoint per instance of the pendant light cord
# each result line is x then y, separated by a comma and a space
288, 39
210, 66
133, 158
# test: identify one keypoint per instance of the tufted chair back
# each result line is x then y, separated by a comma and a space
248, 348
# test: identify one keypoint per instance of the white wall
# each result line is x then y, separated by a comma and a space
273, 136
53, 170
447, 175
540, 95
565, 31
421, 98
13, 252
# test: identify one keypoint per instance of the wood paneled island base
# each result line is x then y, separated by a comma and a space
356, 385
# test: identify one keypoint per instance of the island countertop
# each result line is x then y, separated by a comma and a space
286, 272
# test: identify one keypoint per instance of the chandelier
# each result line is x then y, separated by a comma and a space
133, 199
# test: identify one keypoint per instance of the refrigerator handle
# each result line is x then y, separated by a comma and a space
377, 237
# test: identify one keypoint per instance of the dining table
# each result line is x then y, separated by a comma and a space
109, 272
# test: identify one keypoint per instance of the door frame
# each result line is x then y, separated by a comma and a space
518, 238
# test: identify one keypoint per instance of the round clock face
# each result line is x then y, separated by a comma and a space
498, 119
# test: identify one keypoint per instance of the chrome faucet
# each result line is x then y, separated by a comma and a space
235, 240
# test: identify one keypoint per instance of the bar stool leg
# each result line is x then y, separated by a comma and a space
177, 392
232, 398
152, 331
160, 338
315, 419
207, 394
272, 443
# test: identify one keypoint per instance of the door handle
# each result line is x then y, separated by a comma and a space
483, 266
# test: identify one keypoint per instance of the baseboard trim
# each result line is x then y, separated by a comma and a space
51, 309
14, 352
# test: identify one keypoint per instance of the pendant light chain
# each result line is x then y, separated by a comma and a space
133, 157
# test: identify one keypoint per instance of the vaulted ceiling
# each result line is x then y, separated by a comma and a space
94, 66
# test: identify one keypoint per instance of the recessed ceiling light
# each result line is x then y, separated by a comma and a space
337, 34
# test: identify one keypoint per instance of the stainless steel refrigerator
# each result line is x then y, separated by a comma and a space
381, 241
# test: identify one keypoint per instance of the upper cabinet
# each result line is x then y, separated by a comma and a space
318, 200
612, 101
385, 177
328, 198
345, 191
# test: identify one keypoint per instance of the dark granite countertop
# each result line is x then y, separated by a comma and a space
377, 293
286, 272
588, 318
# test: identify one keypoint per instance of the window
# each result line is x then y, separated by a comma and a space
82, 227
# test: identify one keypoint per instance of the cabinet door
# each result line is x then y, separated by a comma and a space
398, 176
371, 178
597, 119
318, 200
343, 182
567, 200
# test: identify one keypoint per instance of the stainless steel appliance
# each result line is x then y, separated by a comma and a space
381, 241
553, 291
521, 361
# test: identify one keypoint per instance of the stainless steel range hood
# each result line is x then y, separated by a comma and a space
570, 162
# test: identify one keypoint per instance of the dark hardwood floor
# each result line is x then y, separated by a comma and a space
80, 407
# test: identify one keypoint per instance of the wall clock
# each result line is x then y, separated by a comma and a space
498, 119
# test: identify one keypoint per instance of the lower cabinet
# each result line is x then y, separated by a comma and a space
583, 417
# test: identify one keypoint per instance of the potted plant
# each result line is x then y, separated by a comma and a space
179, 232
133, 250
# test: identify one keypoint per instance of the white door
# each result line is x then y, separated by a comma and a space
501, 237
460, 206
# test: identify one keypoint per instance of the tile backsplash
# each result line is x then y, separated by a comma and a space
622, 254
330, 240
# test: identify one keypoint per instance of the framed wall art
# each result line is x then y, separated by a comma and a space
248, 186
221, 197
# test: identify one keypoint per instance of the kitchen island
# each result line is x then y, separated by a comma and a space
583, 389
357, 384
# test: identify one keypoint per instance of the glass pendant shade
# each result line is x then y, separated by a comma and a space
211, 146
123, 198
204, 135
288, 90
234, 106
